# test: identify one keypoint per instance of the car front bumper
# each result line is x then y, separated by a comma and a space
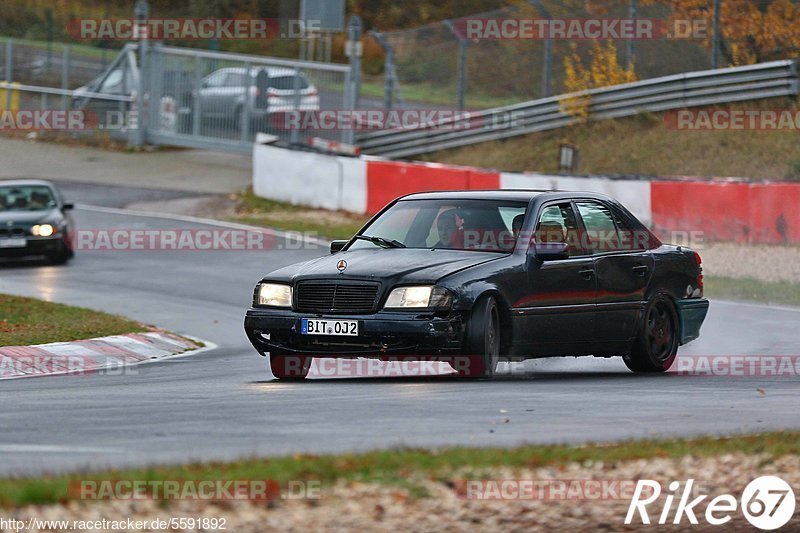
379, 334
34, 246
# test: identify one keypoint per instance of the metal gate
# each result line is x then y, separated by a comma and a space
219, 100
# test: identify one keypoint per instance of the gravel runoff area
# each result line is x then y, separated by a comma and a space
761, 262
446, 507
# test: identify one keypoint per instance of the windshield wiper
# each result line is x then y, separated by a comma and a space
380, 241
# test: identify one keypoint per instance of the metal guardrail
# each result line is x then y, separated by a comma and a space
691, 89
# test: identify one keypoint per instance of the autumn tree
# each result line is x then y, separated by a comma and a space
603, 70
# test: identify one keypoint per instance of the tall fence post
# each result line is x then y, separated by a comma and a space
9, 70
389, 70
141, 13
547, 60
716, 37
353, 83
295, 134
632, 14
65, 75
462, 65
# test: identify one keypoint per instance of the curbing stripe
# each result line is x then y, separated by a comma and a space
84, 356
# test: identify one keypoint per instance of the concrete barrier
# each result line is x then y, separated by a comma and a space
723, 210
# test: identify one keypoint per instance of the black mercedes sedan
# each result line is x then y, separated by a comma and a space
34, 221
476, 277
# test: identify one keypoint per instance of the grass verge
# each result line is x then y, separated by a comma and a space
26, 321
749, 289
395, 467
646, 145
257, 211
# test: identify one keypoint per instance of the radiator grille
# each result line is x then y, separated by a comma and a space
337, 296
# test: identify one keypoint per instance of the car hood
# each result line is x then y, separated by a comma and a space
395, 265
24, 218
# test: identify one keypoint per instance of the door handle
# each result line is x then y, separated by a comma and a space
586, 273
641, 269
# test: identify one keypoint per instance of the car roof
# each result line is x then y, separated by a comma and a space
25, 183
273, 72
524, 195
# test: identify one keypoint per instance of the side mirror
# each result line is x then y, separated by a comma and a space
551, 251
67, 207
336, 246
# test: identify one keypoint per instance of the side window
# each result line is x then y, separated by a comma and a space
216, 80
235, 79
558, 223
630, 239
601, 231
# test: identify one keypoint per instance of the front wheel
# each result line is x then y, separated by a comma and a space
656, 345
482, 341
290, 367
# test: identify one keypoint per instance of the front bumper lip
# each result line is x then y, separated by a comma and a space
382, 333
34, 246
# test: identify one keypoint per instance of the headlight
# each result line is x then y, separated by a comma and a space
421, 297
274, 295
43, 230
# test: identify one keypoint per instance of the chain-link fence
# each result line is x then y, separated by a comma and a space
434, 66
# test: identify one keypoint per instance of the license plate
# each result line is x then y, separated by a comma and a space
342, 328
13, 243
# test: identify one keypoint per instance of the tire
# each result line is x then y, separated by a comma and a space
482, 342
290, 367
656, 344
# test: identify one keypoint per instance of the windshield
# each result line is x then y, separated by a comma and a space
477, 225
26, 198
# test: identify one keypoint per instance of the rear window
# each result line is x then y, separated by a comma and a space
287, 83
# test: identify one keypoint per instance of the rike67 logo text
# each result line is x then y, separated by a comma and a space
767, 502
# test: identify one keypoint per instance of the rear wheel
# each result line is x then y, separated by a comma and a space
290, 367
482, 341
656, 345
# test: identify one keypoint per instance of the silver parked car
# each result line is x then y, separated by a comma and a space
224, 93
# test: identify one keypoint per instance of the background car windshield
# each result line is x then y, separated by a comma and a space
452, 224
29, 198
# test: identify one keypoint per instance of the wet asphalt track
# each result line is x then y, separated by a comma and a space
223, 403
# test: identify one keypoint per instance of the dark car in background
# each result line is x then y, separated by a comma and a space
475, 277
34, 221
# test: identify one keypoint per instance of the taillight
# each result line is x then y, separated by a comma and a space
699, 272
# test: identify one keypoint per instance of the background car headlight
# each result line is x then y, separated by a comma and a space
43, 230
421, 297
274, 295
